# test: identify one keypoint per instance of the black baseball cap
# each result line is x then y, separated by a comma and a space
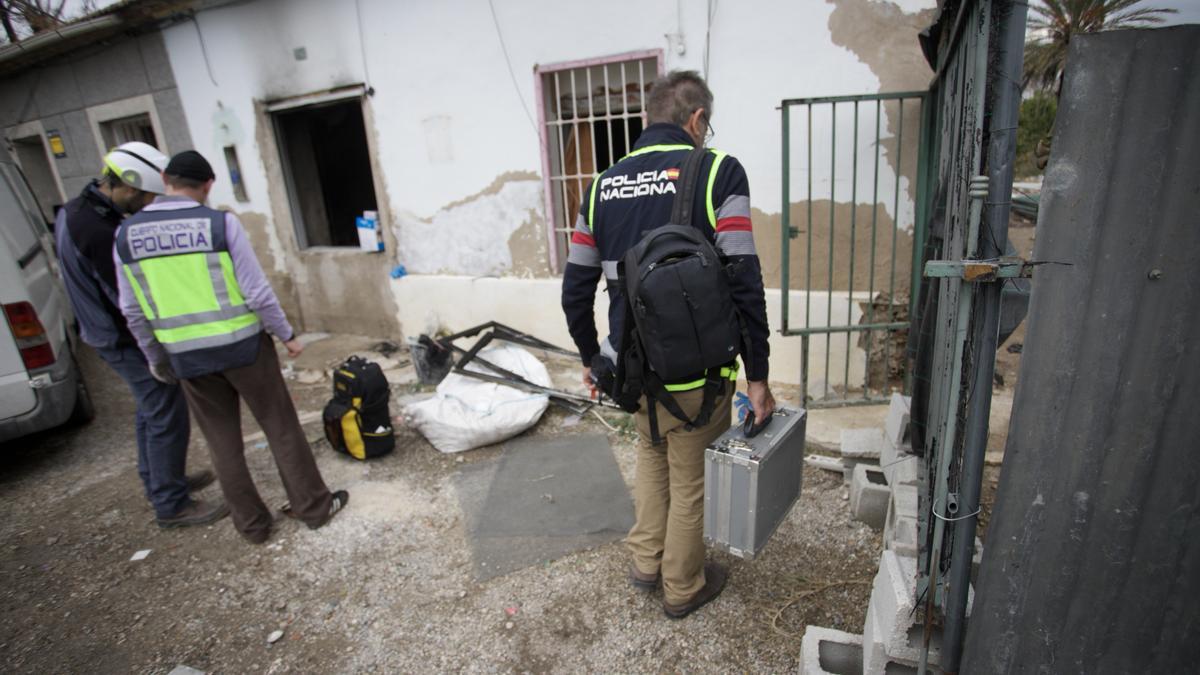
190, 164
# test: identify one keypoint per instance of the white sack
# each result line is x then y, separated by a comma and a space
467, 413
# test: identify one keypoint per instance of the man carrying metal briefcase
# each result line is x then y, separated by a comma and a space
669, 228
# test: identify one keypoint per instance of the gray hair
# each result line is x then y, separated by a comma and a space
676, 95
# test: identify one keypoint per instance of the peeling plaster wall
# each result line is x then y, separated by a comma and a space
494, 232
456, 153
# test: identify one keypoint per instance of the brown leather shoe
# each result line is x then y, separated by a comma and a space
714, 582
200, 480
643, 582
197, 512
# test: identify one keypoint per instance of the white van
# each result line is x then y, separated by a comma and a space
40, 383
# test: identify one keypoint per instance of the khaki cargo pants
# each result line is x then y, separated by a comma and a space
668, 493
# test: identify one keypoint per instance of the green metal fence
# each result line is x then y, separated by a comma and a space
865, 184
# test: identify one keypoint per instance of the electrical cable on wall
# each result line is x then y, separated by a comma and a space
203, 49
362, 48
712, 12
511, 74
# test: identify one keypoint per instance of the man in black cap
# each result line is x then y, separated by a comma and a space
200, 307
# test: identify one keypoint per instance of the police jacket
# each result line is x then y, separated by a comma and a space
84, 229
634, 196
192, 289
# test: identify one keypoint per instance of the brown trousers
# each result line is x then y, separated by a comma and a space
668, 493
213, 400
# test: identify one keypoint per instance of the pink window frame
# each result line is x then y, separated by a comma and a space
544, 138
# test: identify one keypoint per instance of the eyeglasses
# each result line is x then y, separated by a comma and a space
708, 130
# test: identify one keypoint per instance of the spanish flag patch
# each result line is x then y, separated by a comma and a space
673, 174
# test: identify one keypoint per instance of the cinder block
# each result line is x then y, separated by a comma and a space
824, 651
895, 427
876, 660
890, 452
893, 601
869, 496
848, 465
900, 533
862, 443
900, 467
882, 651
906, 500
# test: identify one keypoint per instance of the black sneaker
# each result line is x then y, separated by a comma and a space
197, 512
340, 498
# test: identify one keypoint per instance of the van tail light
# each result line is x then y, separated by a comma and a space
30, 335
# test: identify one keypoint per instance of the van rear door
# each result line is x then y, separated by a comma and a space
20, 248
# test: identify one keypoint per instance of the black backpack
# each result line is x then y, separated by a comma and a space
680, 318
357, 420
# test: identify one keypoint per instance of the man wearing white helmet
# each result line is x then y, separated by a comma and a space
84, 229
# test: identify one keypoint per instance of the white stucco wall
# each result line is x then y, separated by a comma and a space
448, 119
447, 122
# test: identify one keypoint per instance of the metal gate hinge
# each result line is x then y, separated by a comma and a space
979, 270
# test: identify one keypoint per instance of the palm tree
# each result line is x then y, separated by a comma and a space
1052, 24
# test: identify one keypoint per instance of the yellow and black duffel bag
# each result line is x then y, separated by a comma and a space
357, 420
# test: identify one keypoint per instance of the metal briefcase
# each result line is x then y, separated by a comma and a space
750, 484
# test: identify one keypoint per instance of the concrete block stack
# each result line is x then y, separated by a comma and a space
900, 525
885, 481
824, 651
860, 446
892, 636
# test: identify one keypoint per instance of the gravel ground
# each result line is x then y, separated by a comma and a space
386, 587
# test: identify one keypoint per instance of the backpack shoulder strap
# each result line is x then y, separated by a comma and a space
685, 197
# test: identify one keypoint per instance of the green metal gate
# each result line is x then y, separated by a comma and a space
885, 262
961, 199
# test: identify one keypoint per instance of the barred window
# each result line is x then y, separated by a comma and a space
592, 115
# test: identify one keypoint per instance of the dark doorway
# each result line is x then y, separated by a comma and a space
328, 170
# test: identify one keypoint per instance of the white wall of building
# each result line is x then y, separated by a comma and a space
458, 154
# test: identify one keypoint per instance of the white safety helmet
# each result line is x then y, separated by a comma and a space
139, 165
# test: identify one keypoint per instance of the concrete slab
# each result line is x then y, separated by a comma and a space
824, 651
869, 496
823, 462
825, 425
895, 427
862, 443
